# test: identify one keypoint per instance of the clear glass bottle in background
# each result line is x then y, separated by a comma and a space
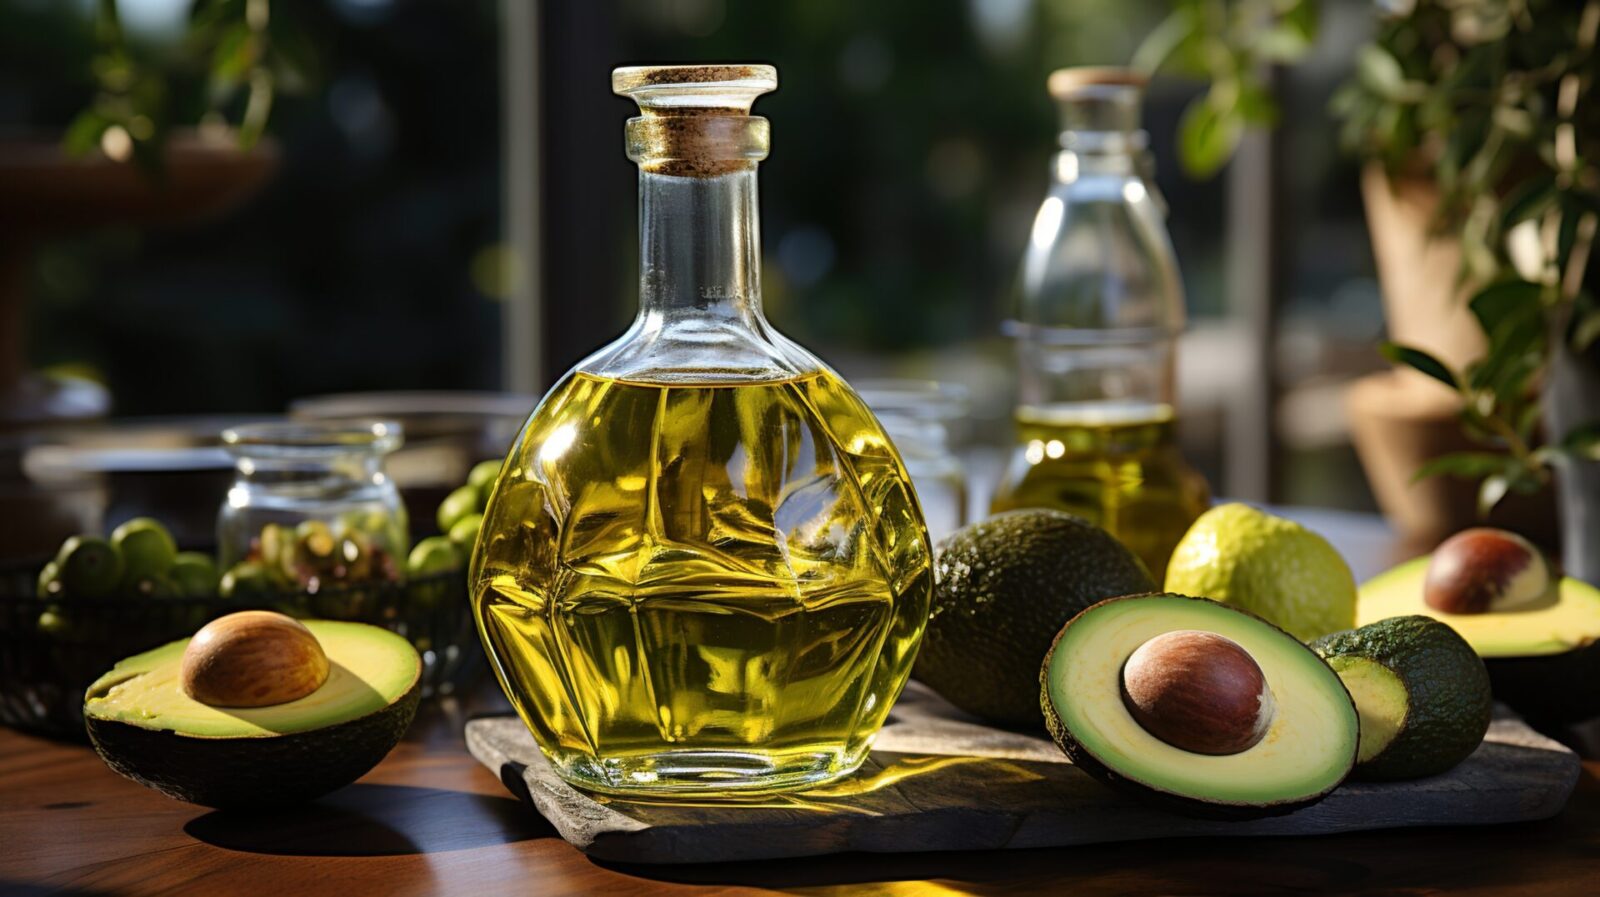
703, 568
1099, 310
919, 416
311, 499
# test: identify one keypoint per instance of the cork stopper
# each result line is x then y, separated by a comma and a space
1072, 83
696, 119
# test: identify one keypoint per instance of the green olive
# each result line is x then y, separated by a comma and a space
90, 567
458, 504
146, 547
195, 574
482, 477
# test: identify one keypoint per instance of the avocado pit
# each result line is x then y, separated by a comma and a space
1485, 570
1199, 692
252, 658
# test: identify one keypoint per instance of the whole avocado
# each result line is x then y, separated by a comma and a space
1003, 588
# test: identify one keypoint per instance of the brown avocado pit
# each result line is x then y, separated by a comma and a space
1198, 691
1485, 570
253, 658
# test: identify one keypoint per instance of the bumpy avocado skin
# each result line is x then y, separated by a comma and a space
1004, 587
1450, 698
1185, 806
253, 772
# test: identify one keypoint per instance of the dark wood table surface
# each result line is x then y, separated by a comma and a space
431, 820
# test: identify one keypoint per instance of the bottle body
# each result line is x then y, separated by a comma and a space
694, 586
1099, 310
703, 568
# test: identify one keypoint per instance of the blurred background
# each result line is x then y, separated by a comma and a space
442, 203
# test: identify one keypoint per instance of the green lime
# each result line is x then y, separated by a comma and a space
435, 554
90, 567
458, 504
147, 548
248, 580
465, 533
1269, 566
482, 478
195, 574
49, 581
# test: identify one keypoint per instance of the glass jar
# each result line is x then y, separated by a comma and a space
310, 503
1099, 310
919, 415
703, 568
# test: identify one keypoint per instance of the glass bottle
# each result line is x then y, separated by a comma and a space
703, 568
311, 504
1098, 313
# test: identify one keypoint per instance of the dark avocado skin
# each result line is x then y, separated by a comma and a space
1553, 690
255, 772
1034, 570
1450, 698
1176, 803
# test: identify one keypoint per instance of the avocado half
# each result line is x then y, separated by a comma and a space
146, 728
1309, 748
1543, 659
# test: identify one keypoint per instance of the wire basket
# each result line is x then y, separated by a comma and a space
48, 660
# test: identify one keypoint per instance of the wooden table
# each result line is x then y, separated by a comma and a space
429, 819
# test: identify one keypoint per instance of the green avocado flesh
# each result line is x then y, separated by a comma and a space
1308, 750
368, 669
1381, 702
146, 728
1569, 619
1422, 693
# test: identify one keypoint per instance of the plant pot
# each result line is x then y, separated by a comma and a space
1572, 399
1402, 419
1399, 423
1424, 303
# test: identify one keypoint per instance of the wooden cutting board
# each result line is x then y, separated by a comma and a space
939, 780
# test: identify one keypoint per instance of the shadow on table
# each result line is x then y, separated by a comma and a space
9, 888
374, 820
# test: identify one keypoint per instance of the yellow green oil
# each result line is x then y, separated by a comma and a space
1115, 464
702, 587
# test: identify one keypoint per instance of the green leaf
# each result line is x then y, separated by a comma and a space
1511, 315
1158, 46
1583, 441
1528, 199
1282, 43
83, 134
237, 52
1527, 420
1585, 326
1207, 136
1420, 361
1466, 465
1381, 73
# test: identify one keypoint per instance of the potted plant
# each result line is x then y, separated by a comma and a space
1471, 118
168, 134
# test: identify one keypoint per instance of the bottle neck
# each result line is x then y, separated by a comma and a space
700, 247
